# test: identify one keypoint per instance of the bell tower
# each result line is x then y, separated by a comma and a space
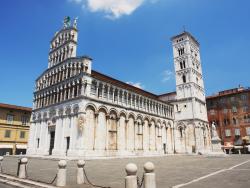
189, 80
191, 120
64, 43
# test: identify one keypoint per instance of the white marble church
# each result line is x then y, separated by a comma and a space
80, 112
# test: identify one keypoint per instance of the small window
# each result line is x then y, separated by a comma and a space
184, 64
181, 51
237, 132
228, 132
22, 134
248, 131
234, 109
184, 79
7, 133
24, 120
181, 65
10, 119
243, 97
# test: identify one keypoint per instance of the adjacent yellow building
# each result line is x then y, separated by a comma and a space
14, 129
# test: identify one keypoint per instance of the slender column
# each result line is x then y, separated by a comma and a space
58, 136
107, 132
77, 89
67, 70
73, 133
69, 91
46, 138
65, 93
62, 74
58, 95
56, 76
103, 91
59, 75
61, 94
97, 89
95, 130
113, 95
70, 69
135, 134
65, 121
40, 135
47, 99
73, 90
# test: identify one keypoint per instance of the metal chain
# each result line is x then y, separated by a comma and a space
53, 179
140, 183
18, 167
93, 185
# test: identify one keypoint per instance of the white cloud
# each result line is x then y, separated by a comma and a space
167, 75
112, 9
137, 84
76, 1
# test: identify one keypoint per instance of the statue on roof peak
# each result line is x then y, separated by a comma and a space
75, 22
66, 22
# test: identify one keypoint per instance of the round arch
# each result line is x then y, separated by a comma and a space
90, 105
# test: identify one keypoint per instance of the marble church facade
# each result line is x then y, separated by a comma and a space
80, 112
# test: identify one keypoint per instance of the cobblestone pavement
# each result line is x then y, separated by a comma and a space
171, 171
2, 185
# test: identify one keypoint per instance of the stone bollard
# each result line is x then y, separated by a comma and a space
22, 168
61, 174
80, 174
149, 175
1, 160
131, 178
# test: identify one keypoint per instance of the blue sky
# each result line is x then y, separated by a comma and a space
128, 40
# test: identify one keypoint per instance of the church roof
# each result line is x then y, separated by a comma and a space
14, 107
186, 33
124, 85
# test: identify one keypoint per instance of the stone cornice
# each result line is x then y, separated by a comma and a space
127, 108
68, 80
63, 63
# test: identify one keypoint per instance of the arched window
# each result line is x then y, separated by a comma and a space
184, 64
93, 87
181, 133
181, 65
105, 92
111, 94
184, 79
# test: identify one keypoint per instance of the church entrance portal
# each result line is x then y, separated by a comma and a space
52, 140
67, 144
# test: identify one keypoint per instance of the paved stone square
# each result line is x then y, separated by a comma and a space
171, 171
